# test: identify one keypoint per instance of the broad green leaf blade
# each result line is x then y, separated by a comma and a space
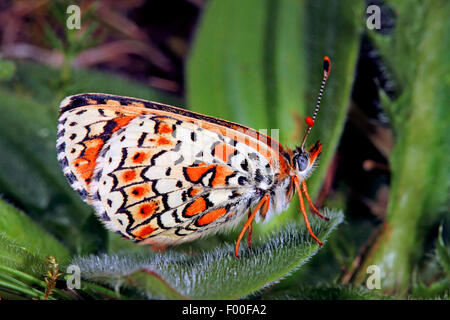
214, 274
17, 228
152, 285
225, 72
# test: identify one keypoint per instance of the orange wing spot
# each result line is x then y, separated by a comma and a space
139, 157
196, 173
129, 175
82, 166
138, 104
148, 209
196, 207
140, 191
121, 122
194, 191
164, 128
85, 165
91, 101
223, 151
163, 141
144, 232
113, 102
93, 146
211, 216
222, 172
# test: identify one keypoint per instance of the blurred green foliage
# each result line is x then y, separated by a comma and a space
420, 187
7, 69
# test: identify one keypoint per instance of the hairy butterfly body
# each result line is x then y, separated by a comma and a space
163, 175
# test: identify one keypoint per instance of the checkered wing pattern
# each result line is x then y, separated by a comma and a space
160, 174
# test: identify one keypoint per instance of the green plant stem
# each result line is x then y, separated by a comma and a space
15, 282
30, 279
33, 293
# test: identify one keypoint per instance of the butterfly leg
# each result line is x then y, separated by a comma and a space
262, 212
302, 208
310, 203
263, 201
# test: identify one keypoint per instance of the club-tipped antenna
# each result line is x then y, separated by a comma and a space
310, 120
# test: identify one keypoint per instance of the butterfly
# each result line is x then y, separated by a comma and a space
162, 175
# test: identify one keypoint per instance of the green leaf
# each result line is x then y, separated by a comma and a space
225, 72
20, 257
16, 227
213, 274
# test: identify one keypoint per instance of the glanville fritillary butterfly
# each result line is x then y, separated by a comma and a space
162, 175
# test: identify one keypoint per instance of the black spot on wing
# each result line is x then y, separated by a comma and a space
64, 163
61, 147
244, 165
141, 139
242, 180
61, 133
71, 178
259, 176
77, 101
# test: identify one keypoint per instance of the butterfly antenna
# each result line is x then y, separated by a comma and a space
310, 120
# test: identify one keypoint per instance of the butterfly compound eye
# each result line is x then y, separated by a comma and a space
302, 162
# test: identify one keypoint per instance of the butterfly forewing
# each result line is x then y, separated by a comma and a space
161, 174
